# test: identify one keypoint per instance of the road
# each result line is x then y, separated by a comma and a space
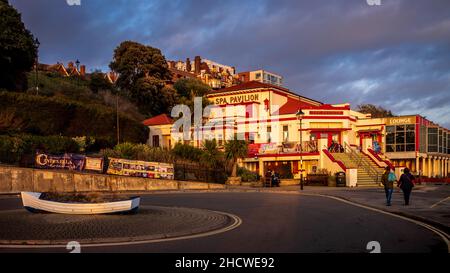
280, 223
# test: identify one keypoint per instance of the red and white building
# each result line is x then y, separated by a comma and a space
334, 137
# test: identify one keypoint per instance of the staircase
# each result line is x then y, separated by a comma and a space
369, 173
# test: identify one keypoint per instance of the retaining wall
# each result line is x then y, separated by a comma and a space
14, 179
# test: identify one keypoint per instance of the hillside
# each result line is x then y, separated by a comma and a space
67, 106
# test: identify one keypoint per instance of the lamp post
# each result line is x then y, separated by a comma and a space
78, 71
37, 43
300, 116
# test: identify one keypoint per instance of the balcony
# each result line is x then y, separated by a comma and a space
283, 148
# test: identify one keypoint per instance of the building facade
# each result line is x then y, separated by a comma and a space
334, 137
262, 76
211, 73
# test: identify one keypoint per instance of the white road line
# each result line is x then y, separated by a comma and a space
236, 223
437, 203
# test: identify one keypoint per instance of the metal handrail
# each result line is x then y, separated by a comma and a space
361, 162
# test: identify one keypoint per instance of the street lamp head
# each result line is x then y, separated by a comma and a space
300, 114
77, 62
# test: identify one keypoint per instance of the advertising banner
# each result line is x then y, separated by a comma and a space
119, 166
66, 161
94, 164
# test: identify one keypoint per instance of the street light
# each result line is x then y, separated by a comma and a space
37, 44
300, 116
78, 71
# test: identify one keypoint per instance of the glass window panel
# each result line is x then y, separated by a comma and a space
390, 138
400, 148
410, 127
390, 148
400, 137
410, 137
390, 129
410, 147
400, 128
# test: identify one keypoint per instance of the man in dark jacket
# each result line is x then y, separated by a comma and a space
406, 184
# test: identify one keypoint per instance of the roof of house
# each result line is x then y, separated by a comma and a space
259, 85
158, 120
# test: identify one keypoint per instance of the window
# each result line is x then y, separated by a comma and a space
258, 76
448, 143
432, 140
441, 141
285, 133
269, 132
400, 138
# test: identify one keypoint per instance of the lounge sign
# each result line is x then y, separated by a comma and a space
237, 99
65, 161
401, 120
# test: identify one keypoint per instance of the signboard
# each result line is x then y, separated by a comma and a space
65, 161
137, 168
237, 99
94, 164
401, 120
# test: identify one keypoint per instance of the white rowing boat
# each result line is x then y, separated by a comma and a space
32, 203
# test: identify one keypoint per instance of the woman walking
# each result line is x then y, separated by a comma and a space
406, 184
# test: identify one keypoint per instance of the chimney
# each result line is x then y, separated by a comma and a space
197, 62
82, 70
188, 65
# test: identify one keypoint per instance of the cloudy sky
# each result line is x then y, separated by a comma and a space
396, 55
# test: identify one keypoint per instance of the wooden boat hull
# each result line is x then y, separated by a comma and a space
32, 203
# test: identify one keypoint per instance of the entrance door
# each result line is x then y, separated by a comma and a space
155, 141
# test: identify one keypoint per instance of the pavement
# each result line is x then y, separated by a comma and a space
428, 203
317, 220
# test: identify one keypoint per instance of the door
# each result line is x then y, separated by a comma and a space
155, 141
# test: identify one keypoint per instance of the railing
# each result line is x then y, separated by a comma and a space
361, 162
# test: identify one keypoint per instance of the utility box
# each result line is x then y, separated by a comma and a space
351, 177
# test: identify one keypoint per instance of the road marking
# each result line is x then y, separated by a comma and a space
236, 223
437, 203
444, 236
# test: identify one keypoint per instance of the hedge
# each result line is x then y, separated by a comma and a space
20, 149
38, 115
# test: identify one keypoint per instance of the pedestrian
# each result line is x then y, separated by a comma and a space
387, 179
276, 179
406, 184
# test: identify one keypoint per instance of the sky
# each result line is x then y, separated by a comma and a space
396, 54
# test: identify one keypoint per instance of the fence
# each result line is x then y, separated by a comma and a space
191, 172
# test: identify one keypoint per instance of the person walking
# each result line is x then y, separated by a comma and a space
387, 179
406, 184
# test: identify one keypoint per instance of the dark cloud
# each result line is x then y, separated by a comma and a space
396, 55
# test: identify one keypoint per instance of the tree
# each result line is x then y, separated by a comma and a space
99, 82
375, 111
143, 72
134, 61
18, 49
191, 87
235, 149
211, 155
152, 96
